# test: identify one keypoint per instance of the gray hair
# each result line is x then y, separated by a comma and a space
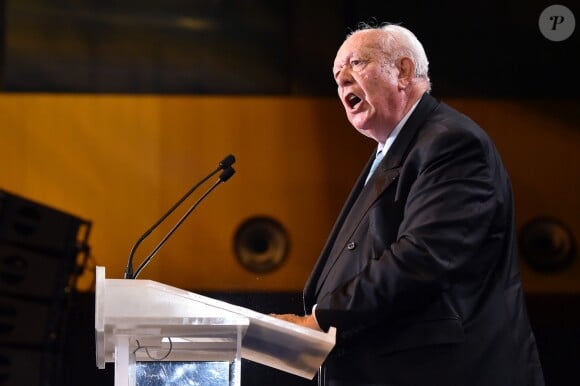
399, 42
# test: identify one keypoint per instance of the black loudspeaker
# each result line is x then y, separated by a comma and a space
42, 252
35, 226
19, 367
27, 273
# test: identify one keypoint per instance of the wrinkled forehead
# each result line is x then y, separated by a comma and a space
365, 44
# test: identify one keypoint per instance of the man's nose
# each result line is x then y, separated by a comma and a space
344, 77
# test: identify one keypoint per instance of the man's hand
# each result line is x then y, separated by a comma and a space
304, 321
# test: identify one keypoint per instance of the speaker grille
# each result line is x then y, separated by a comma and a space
39, 250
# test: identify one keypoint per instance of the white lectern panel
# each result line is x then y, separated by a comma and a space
178, 325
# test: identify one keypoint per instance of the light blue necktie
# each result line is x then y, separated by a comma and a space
376, 162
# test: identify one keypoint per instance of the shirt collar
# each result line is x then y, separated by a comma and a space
384, 147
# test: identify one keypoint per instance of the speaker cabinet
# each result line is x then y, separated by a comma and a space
36, 226
39, 261
23, 322
26, 273
20, 367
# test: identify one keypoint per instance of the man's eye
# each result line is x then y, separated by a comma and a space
357, 64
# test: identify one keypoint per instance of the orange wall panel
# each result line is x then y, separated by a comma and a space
121, 161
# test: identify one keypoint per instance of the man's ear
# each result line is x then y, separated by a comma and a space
406, 69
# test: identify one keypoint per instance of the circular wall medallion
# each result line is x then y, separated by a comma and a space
261, 244
547, 244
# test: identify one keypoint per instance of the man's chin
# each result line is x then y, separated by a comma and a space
359, 123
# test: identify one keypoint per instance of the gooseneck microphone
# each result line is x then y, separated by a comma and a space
224, 176
227, 171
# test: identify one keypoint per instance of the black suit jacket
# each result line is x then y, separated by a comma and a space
420, 272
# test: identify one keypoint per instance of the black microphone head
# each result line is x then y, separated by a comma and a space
227, 162
226, 174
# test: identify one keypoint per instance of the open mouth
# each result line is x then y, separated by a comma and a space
352, 100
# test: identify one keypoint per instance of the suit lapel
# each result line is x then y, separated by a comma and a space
362, 197
395, 156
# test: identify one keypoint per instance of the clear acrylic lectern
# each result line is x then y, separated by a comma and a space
151, 330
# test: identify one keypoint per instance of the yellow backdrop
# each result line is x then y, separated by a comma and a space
121, 161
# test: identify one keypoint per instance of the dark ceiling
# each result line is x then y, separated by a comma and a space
284, 47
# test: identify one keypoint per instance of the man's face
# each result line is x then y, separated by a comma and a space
367, 85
